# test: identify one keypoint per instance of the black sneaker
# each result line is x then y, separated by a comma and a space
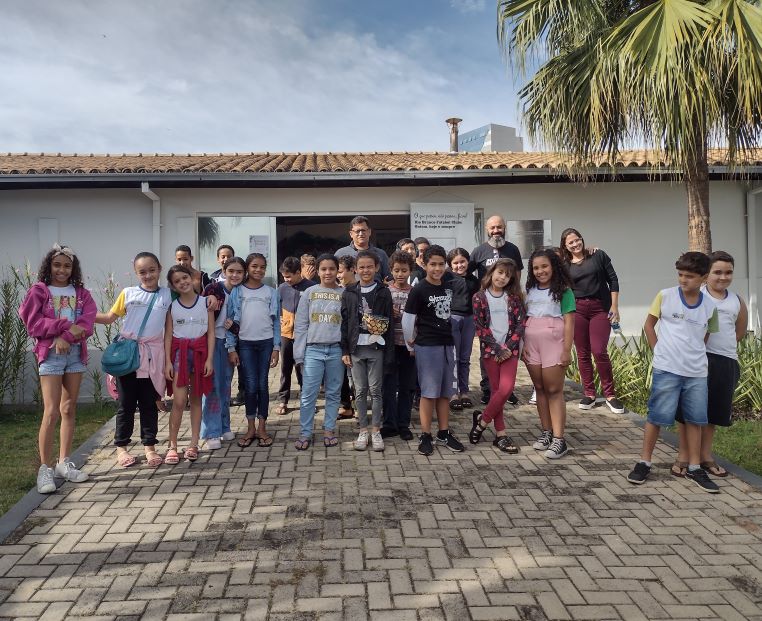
639, 473
543, 441
406, 434
485, 398
615, 405
587, 403
701, 478
387, 432
425, 445
513, 399
557, 449
451, 442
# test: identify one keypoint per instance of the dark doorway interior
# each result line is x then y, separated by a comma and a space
318, 234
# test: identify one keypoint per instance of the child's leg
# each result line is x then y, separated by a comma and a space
682, 446
360, 377
456, 325
663, 404
211, 404
650, 436
426, 410
68, 408
149, 413
443, 413
506, 382
195, 416
407, 378
52, 389
375, 366
389, 399
263, 398
179, 398
467, 333
334, 376
127, 388
707, 439
248, 370
312, 376
553, 387
543, 408
286, 369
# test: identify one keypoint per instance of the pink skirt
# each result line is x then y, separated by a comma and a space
544, 341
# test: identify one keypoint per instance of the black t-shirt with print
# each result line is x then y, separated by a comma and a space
485, 255
431, 304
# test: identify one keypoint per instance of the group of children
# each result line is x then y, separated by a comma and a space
387, 339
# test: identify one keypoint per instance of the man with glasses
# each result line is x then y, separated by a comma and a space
360, 232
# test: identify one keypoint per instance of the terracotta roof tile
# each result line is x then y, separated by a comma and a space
171, 163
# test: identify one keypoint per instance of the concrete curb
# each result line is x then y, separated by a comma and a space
671, 438
16, 515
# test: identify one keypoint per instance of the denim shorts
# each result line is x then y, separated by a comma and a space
668, 390
61, 364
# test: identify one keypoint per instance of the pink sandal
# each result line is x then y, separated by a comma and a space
125, 460
153, 459
191, 453
172, 458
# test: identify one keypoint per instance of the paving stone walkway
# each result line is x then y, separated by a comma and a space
338, 534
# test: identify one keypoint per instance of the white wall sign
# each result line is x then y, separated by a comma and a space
448, 224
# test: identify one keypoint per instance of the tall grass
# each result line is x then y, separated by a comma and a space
632, 364
14, 342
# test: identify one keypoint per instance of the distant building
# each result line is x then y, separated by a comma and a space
490, 138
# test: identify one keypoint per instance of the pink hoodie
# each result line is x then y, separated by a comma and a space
39, 317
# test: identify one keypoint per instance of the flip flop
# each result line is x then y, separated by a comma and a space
265, 442
713, 468
125, 460
191, 453
329, 441
246, 442
153, 459
679, 468
302, 444
172, 458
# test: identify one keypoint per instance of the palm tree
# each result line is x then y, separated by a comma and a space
674, 76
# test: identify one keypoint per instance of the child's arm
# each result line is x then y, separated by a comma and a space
119, 309
408, 329
275, 313
649, 327
169, 372
742, 321
568, 339
346, 358
37, 325
517, 325
210, 343
301, 327
233, 317
106, 318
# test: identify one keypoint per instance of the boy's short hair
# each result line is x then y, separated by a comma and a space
184, 248
403, 258
721, 255
359, 220
291, 265
347, 261
224, 247
421, 240
307, 259
695, 262
434, 251
404, 241
367, 254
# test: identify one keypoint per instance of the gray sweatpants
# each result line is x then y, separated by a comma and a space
368, 377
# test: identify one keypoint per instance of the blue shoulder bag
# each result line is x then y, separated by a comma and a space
122, 356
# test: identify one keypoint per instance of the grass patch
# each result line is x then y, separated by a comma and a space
19, 458
741, 444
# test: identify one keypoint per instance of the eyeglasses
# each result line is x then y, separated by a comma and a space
360, 231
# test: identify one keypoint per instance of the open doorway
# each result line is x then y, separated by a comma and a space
297, 235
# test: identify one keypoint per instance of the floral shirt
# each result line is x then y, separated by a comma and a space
490, 348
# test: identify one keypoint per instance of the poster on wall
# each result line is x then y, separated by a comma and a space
260, 244
450, 225
529, 235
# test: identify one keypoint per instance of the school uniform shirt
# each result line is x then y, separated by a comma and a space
189, 322
133, 303
540, 303
256, 305
723, 342
431, 305
289, 302
64, 299
680, 346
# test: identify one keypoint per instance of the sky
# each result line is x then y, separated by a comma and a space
204, 76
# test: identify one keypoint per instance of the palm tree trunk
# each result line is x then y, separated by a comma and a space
696, 179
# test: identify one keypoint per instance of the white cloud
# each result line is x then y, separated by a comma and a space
196, 76
468, 6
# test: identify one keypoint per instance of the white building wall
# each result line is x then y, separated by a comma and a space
643, 226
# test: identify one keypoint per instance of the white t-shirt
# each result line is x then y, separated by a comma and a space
64, 302
498, 315
680, 346
256, 321
724, 341
541, 304
190, 322
132, 304
219, 324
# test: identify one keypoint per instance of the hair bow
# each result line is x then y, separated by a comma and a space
64, 250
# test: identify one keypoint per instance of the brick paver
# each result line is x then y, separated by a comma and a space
338, 534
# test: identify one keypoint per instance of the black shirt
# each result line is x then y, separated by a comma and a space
431, 304
485, 255
594, 277
463, 290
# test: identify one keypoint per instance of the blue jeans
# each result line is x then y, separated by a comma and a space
215, 408
255, 365
463, 331
322, 364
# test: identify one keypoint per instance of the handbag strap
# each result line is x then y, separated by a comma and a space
148, 314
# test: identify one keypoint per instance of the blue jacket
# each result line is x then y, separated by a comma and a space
234, 313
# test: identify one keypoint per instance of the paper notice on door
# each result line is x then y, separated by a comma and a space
260, 243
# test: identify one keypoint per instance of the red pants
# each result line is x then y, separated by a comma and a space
502, 379
591, 338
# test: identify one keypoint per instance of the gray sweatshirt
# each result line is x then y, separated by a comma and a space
318, 319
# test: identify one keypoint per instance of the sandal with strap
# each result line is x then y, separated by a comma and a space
329, 441
679, 468
247, 441
476, 430
153, 459
172, 458
713, 468
191, 453
466, 403
281, 410
505, 444
125, 460
265, 441
456, 405
302, 444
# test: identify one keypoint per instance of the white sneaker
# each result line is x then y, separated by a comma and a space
213, 444
533, 398
45, 482
67, 471
377, 441
362, 441
228, 436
